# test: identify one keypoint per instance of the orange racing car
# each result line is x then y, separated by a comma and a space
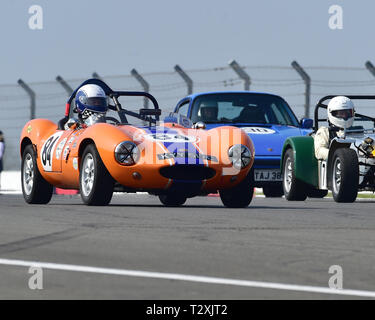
170, 159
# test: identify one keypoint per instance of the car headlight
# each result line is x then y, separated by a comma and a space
368, 147
127, 153
239, 155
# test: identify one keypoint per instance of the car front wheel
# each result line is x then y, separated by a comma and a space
172, 200
35, 189
345, 175
294, 189
273, 192
239, 196
96, 184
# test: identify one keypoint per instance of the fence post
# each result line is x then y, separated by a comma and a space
31, 94
144, 84
187, 79
241, 73
306, 78
96, 76
65, 85
370, 67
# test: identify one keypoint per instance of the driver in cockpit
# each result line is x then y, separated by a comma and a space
209, 111
91, 104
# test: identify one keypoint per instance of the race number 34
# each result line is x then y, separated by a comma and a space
47, 151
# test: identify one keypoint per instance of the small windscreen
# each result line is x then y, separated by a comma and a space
242, 108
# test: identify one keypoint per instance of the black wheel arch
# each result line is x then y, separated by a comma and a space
285, 150
84, 143
25, 142
82, 146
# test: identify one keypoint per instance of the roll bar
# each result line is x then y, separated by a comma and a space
114, 95
320, 104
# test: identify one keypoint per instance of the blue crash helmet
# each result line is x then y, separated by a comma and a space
91, 99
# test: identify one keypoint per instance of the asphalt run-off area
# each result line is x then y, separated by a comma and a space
135, 248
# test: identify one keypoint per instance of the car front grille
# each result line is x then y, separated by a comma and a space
266, 162
187, 172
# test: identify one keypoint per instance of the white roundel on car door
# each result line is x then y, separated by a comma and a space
258, 130
48, 148
59, 148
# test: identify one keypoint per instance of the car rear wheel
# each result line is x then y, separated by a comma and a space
316, 193
239, 196
294, 189
172, 200
35, 189
273, 192
345, 175
96, 184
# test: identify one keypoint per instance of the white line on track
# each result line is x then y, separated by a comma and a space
185, 277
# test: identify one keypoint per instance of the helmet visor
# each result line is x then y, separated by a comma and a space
344, 114
96, 101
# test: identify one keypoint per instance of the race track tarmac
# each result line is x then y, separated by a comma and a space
129, 249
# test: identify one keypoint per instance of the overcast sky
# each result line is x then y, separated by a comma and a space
113, 36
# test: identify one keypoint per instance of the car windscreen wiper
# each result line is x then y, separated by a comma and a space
284, 124
253, 123
212, 121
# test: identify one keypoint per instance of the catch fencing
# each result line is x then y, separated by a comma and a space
24, 100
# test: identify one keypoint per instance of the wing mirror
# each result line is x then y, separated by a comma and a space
307, 123
199, 125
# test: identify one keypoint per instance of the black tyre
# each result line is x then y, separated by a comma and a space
172, 200
239, 196
95, 182
345, 175
273, 192
316, 193
35, 189
294, 189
